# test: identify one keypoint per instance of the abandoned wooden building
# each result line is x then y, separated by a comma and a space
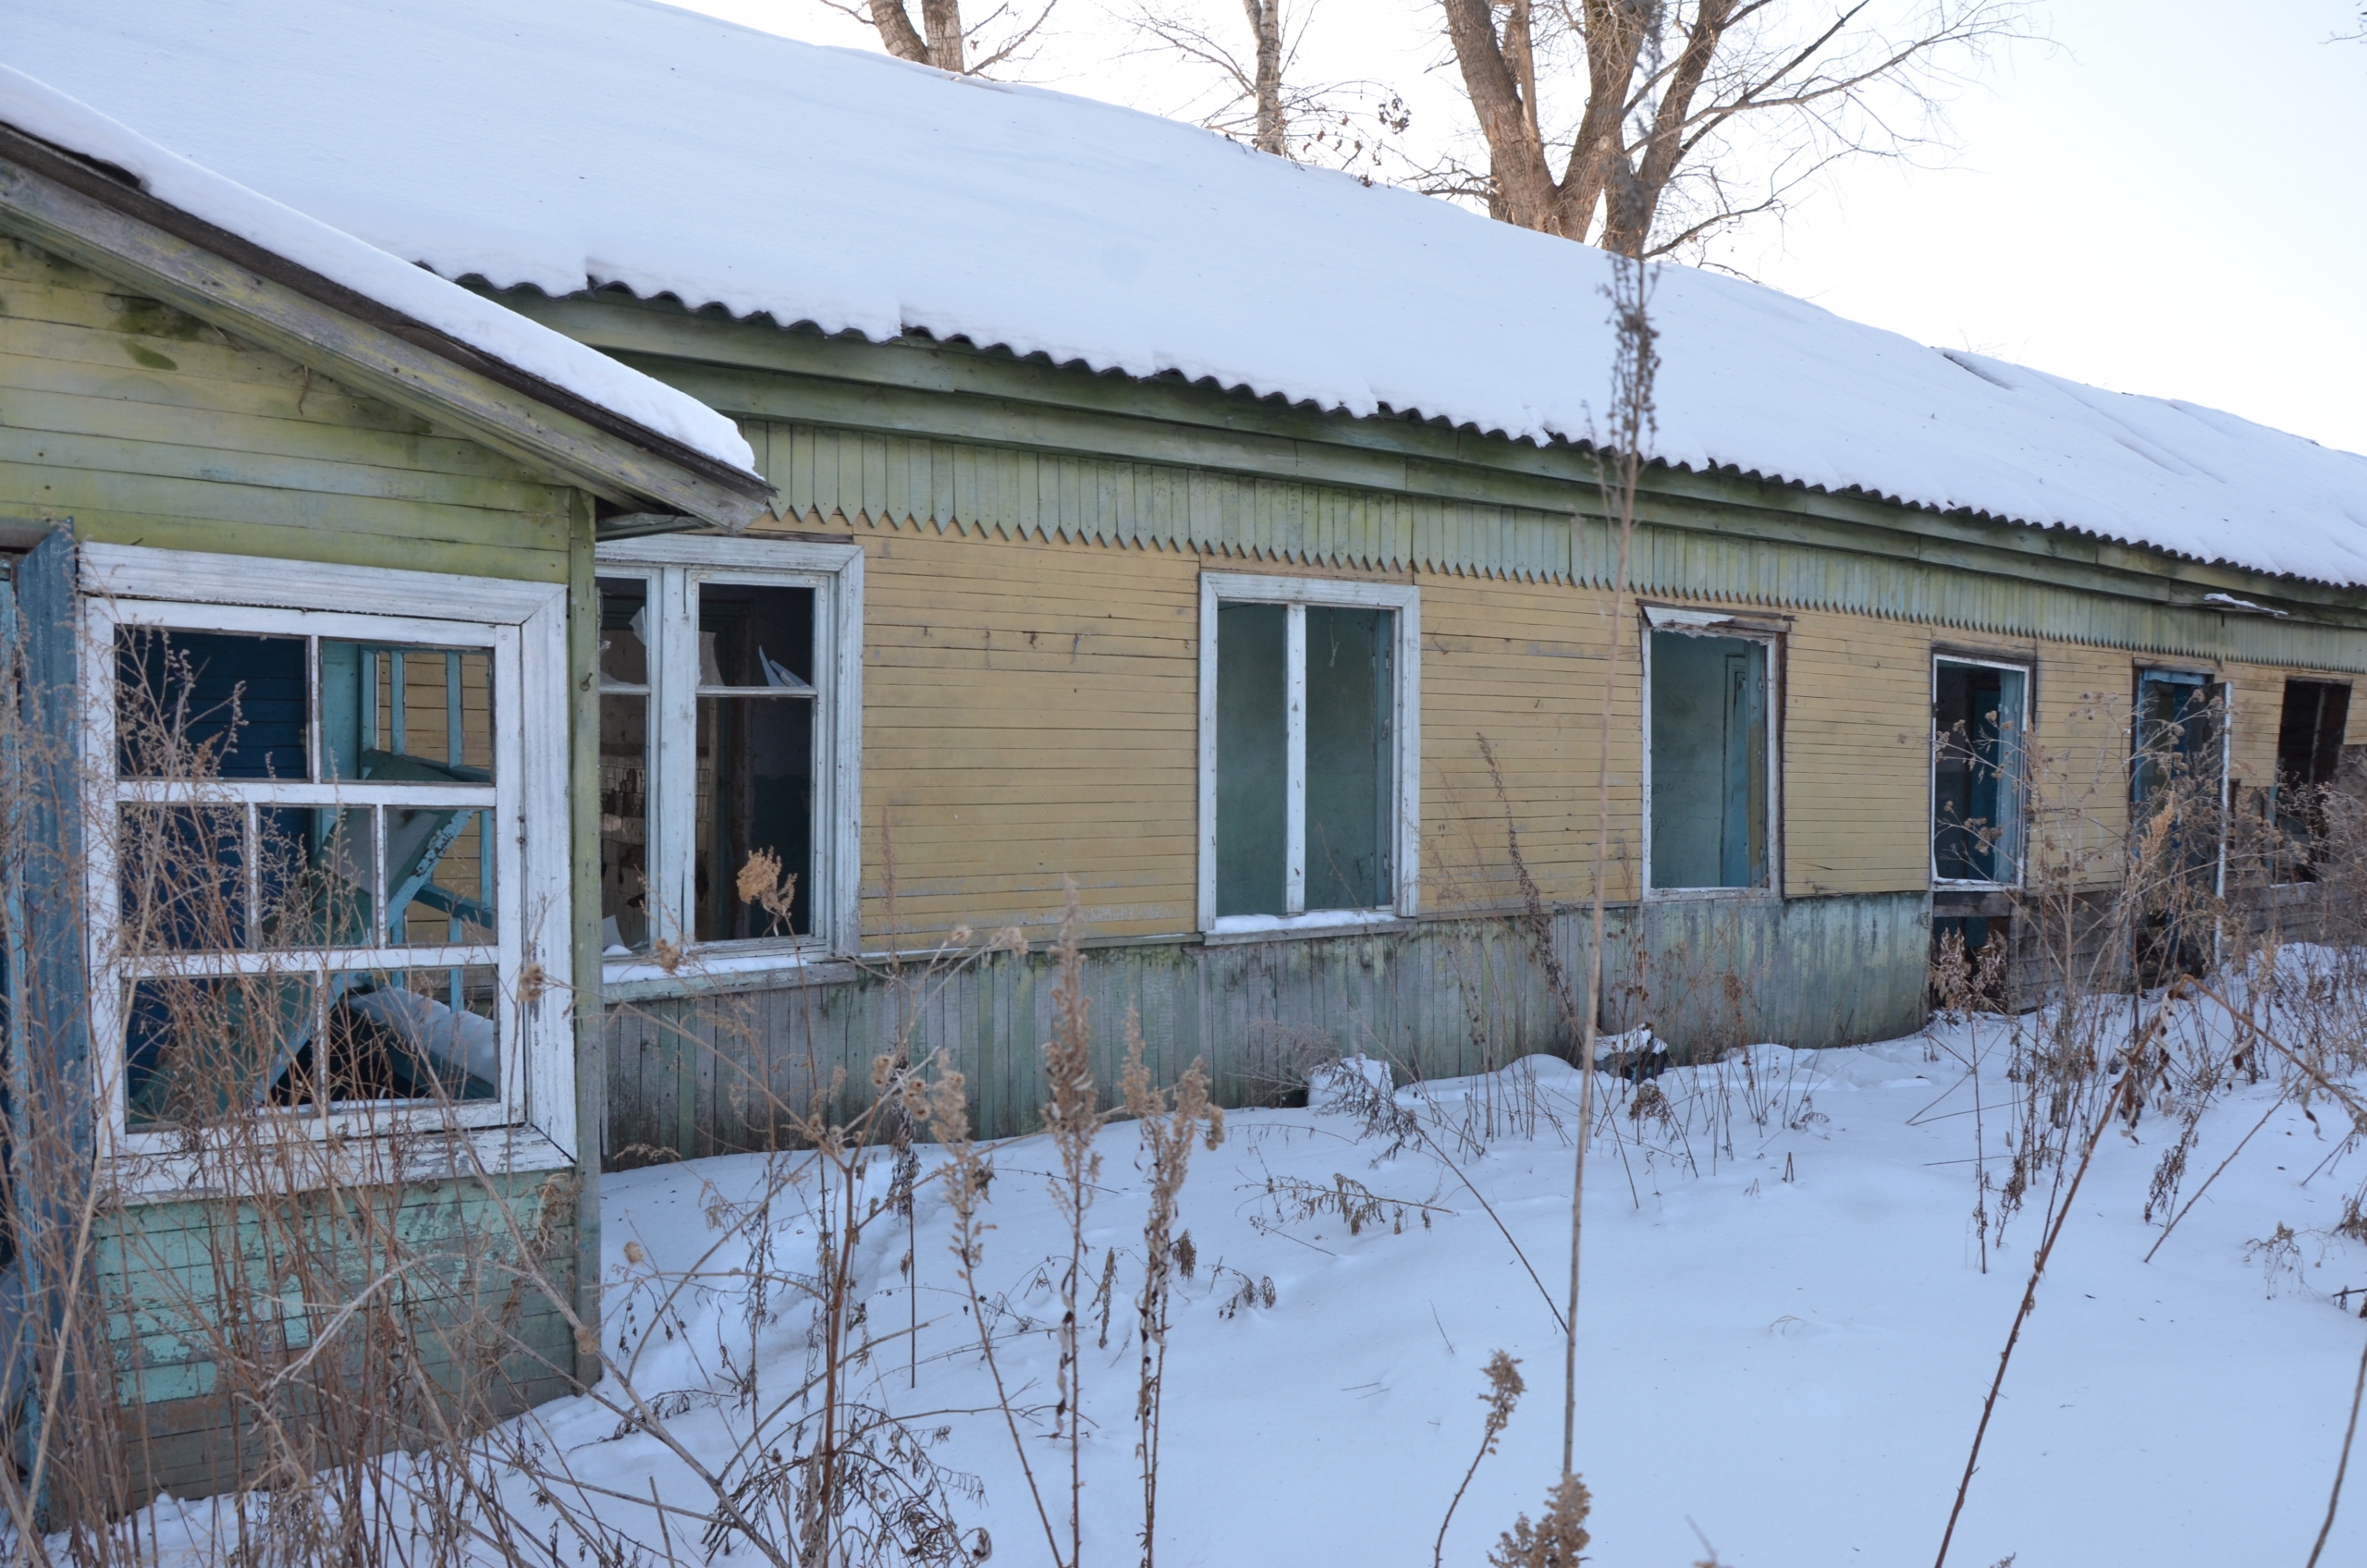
1224, 535
341, 513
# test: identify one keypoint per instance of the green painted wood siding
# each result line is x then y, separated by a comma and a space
147, 426
178, 1281
1684, 550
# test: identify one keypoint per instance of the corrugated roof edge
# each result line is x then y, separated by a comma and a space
1044, 360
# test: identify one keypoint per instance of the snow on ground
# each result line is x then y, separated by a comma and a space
1786, 1347
629, 142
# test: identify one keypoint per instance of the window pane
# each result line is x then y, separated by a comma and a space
755, 830
196, 1049
624, 631
318, 875
1252, 758
1976, 771
406, 1035
624, 823
755, 638
209, 704
183, 877
2177, 733
406, 714
439, 877
1349, 799
1708, 806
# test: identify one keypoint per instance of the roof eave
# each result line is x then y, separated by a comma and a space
77, 209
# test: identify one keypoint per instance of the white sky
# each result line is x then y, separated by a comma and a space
2171, 198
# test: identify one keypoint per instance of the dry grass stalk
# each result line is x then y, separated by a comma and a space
1504, 1389
1169, 1124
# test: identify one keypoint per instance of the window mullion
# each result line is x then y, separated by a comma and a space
1294, 760
673, 803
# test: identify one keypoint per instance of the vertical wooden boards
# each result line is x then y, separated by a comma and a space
1439, 998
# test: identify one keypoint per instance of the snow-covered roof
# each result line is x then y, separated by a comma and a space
619, 141
40, 110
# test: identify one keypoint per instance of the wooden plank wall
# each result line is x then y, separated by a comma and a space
147, 426
1031, 713
725, 1073
166, 1273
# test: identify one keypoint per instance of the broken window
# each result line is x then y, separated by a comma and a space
719, 688
1710, 759
303, 884
2309, 755
2178, 767
1307, 796
1978, 731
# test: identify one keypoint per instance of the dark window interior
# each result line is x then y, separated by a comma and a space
2309, 755
756, 762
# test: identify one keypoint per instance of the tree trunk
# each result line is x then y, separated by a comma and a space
1266, 23
1524, 192
896, 35
942, 18
1635, 195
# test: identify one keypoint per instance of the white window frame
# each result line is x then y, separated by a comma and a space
2028, 672
531, 1123
673, 566
1744, 628
1295, 593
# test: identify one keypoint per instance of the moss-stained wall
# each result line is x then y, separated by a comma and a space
148, 426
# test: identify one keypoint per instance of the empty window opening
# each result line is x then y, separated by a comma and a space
1977, 732
2309, 755
1710, 761
1306, 738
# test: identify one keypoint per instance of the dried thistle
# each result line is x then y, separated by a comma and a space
1504, 1389
1557, 1539
762, 882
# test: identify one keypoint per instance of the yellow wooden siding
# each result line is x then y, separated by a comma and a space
1032, 710
1857, 755
146, 425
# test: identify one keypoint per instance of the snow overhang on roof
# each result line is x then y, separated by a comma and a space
676, 155
72, 169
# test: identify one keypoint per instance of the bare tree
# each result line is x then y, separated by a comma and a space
1258, 97
1696, 113
941, 39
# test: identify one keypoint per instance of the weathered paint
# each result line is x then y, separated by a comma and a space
148, 426
720, 1072
177, 1280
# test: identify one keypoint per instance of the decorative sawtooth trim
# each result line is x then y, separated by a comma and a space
858, 479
